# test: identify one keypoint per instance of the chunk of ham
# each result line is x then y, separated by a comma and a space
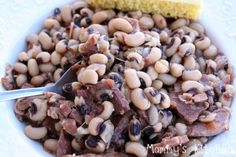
63, 145
219, 125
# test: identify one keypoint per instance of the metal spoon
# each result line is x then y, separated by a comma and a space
67, 77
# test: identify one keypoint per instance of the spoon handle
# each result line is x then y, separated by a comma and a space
20, 93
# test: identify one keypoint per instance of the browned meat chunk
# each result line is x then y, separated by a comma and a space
63, 145
219, 125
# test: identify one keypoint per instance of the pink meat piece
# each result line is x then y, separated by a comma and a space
63, 145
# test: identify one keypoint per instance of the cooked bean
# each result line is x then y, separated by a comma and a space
38, 110
86, 12
85, 22
135, 60
181, 129
167, 79
107, 133
20, 68
153, 95
50, 145
88, 76
176, 58
136, 148
186, 39
153, 56
32, 39
47, 67
95, 145
51, 23
176, 69
162, 66
37, 80
153, 115
191, 32
146, 22
157, 84
119, 24
61, 46
165, 100
144, 79
186, 49
102, 16
194, 75
57, 74
21, 79
131, 78
160, 21
43, 57
178, 23
210, 52
189, 63
108, 108
134, 130
55, 58
152, 73
75, 145
94, 126
188, 85
172, 46
46, 41
202, 43
66, 13
164, 37
139, 99
35, 133
33, 67
99, 68
197, 27
23, 57
131, 39
135, 14
98, 58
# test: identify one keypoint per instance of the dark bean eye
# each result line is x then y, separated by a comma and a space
88, 21
68, 88
90, 30
143, 84
171, 43
83, 109
92, 142
101, 127
77, 21
57, 11
105, 97
153, 92
33, 108
135, 129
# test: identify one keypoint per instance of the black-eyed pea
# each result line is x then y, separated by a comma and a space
78, 5
139, 99
75, 145
202, 43
152, 73
152, 42
188, 85
167, 79
86, 12
162, 66
95, 126
194, 75
136, 149
57, 74
103, 44
160, 21
132, 78
166, 117
98, 58
119, 24
211, 66
51, 23
135, 14
61, 46
176, 69
95, 145
158, 84
111, 60
45, 41
32, 39
119, 37
153, 56
108, 108
191, 32
186, 49
164, 37
186, 39
55, 58
197, 27
85, 22
43, 57
153, 95
66, 13
153, 115
102, 16
64, 62
178, 23
33, 67
172, 46
20, 68
144, 78
23, 57
189, 63
47, 67
34, 51
37, 80
35, 133
88, 76
134, 130
131, 39
38, 110
101, 29
99, 68
207, 117
107, 133
50, 145
21, 79
176, 58
71, 87
165, 100
117, 78
135, 60
181, 129
211, 51
146, 22
75, 33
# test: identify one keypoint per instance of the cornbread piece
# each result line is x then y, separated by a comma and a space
170, 8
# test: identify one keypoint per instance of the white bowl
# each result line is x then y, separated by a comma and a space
18, 18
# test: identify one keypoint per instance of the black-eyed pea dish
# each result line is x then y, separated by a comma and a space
141, 79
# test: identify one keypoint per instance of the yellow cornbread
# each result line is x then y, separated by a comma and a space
169, 8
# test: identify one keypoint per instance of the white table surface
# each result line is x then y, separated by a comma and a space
20, 17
